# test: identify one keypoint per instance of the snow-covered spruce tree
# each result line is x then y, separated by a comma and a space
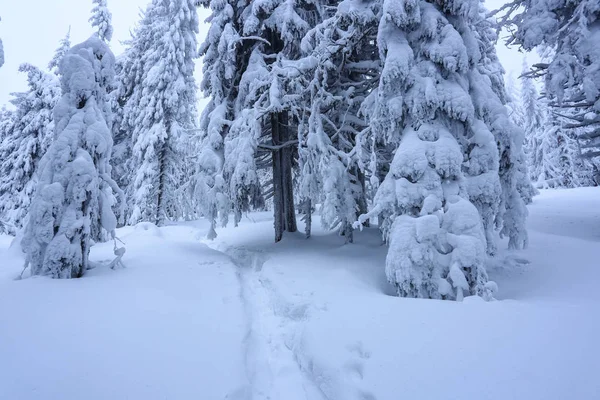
342, 65
438, 101
247, 75
25, 142
514, 101
129, 74
161, 107
277, 27
571, 30
73, 200
223, 54
556, 160
490, 105
7, 120
63, 48
534, 123
516, 114
101, 19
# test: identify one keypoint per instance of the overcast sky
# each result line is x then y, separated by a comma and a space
31, 31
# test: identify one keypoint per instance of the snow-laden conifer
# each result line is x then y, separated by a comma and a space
569, 30
248, 76
101, 19
25, 142
75, 193
160, 107
221, 51
341, 63
440, 100
63, 48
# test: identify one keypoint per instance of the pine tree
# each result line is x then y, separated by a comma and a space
570, 31
556, 160
511, 212
223, 54
249, 77
74, 197
63, 48
102, 20
440, 101
342, 62
7, 120
25, 141
514, 103
161, 107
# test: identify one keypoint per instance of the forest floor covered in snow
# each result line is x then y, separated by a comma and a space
242, 318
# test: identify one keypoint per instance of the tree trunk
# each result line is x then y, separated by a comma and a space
159, 218
363, 207
287, 183
308, 218
277, 181
283, 187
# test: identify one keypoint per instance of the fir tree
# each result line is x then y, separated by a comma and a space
63, 48
249, 78
74, 197
102, 20
334, 160
223, 56
25, 141
161, 107
570, 31
440, 100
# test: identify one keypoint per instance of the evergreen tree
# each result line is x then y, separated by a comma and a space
334, 159
570, 30
252, 120
161, 107
514, 103
223, 56
74, 198
102, 20
7, 120
63, 48
556, 160
440, 100
25, 141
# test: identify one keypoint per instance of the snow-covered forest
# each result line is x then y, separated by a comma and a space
351, 200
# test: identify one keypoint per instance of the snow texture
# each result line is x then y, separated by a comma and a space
306, 320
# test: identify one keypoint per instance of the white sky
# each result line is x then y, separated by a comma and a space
31, 31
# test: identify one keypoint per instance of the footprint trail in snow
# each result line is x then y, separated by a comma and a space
272, 344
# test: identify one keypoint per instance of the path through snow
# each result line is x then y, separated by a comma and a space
273, 327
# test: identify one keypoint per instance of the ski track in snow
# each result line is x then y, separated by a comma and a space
272, 344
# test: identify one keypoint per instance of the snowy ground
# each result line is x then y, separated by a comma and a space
242, 318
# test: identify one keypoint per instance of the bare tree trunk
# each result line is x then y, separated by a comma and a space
308, 217
287, 179
277, 180
159, 218
363, 207
283, 187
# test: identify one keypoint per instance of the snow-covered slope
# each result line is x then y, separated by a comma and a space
305, 319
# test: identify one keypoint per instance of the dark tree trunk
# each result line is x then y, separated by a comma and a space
363, 207
283, 188
277, 181
159, 218
308, 217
